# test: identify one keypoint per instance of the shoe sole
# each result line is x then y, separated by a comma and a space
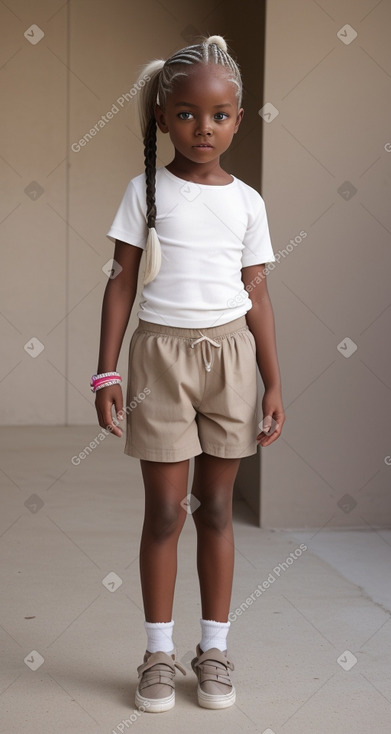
215, 701
155, 705
211, 700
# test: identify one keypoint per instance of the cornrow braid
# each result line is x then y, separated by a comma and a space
150, 170
146, 99
161, 75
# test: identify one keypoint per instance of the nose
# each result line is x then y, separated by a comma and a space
203, 127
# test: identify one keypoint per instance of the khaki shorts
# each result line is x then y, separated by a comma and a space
186, 394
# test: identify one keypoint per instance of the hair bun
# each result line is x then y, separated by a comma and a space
219, 41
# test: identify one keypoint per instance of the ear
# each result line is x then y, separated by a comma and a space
239, 119
160, 119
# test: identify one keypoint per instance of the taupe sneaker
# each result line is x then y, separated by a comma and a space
215, 689
156, 688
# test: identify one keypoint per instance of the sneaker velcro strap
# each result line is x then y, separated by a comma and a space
214, 673
162, 663
157, 677
214, 656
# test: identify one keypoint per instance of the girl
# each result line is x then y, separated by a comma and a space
205, 322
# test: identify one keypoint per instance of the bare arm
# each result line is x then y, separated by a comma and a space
117, 305
260, 320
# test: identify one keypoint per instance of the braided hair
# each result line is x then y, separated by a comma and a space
160, 75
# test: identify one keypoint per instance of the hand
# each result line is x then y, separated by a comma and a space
273, 417
104, 400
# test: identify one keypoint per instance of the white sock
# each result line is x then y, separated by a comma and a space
214, 634
159, 636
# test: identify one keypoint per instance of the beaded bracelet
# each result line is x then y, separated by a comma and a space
104, 379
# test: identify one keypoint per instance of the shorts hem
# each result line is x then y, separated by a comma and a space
162, 455
225, 453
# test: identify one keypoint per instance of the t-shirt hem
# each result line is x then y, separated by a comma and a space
189, 324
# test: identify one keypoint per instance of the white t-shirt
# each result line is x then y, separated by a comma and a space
207, 235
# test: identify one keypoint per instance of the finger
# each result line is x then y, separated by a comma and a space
119, 409
120, 416
110, 424
266, 440
114, 429
268, 425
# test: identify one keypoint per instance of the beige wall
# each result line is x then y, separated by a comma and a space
53, 235
57, 205
333, 125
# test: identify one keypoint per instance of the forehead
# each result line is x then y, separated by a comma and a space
205, 80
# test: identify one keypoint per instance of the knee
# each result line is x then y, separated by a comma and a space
163, 521
215, 511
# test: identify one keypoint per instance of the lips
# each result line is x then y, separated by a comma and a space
203, 145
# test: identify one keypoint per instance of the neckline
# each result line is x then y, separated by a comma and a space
205, 186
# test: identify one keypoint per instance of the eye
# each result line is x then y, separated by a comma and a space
221, 113
184, 113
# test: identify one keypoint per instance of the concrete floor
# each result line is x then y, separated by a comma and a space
311, 652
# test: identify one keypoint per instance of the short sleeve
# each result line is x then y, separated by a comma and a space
257, 243
129, 224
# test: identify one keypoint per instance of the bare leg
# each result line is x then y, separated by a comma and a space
213, 486
165, 487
